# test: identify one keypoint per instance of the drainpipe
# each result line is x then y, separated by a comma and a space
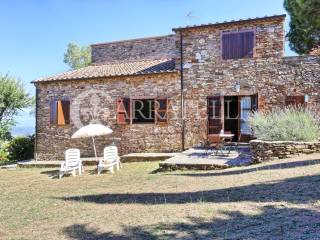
182, 96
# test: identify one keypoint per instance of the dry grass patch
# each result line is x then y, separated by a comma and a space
275, 200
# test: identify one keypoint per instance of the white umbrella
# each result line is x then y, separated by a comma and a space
92, 130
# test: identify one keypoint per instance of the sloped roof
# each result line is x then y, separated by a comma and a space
115, 69
232, 22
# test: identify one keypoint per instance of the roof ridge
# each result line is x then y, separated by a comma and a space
230, 22
132, 61
114, 69
132, 39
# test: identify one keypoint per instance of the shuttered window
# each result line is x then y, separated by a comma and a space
142, 110
297, 101
214, 115
237, 45
60, 111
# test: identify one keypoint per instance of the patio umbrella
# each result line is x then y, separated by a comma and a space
92, 130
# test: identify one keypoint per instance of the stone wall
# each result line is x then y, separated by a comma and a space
99, 96
271, 150
136, 49
267, 74
205, 74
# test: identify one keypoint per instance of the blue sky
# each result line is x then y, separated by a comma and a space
34, 34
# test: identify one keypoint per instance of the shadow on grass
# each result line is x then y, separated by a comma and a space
295, 190
54, 174
254, 169
271, 223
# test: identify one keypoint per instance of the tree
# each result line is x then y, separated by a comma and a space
13, 98
304, 34
77, 56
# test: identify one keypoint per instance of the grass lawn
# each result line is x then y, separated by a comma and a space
275, 200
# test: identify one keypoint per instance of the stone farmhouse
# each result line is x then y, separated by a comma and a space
190, 84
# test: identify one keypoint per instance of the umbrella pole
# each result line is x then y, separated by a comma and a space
94, 147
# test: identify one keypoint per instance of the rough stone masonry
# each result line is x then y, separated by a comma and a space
268, 73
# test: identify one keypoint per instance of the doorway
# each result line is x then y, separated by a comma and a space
231, 113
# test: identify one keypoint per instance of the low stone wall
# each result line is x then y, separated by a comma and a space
270, 150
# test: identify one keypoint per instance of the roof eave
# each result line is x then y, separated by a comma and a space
112, 76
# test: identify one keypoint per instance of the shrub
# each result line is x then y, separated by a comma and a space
21, 148
4, 155
287, 124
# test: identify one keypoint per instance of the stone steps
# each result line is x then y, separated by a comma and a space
146, 157
90, 161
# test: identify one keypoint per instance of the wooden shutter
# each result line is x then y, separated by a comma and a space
214, 115
247, 44
261, 103
123, 110
297, 101
53, 111
59, 112
237, 45
66, 111
63, 110
161, 110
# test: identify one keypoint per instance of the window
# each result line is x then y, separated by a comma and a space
60, 111
296, 101
246, 110
237, 45
142, 110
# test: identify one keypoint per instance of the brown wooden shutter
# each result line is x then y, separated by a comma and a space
123, 110
61, 117
53, 112
214, 115
249, 40
66, 111
261, 103
161, 110
237, 45
297, 101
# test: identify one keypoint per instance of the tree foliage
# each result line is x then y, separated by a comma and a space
304, 34
77, 56
13, 98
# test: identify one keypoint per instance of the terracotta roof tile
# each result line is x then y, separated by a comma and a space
115, 69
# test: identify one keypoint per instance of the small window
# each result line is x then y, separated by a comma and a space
142, 110
297, 101
60, 111
237, 45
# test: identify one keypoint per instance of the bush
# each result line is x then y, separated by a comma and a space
4, 155
288, 124
21, 148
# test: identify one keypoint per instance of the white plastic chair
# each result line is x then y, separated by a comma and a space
110, 159
72, 163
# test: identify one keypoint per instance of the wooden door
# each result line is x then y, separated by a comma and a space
214, 115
